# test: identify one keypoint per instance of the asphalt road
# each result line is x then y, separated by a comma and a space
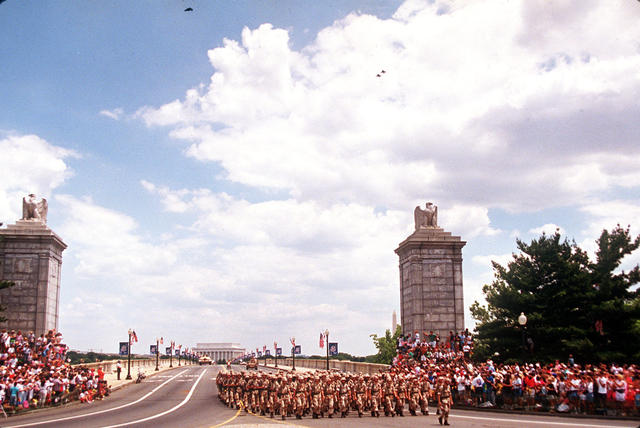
186, 397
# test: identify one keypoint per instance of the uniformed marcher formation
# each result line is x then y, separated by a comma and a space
329, 394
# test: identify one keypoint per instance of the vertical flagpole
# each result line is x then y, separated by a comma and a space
129, 357
293, 353
326, 336
171, 355
157, 352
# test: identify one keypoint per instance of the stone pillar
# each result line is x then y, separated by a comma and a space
431, 295
31, 257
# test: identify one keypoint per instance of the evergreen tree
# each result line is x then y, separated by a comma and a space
573, 305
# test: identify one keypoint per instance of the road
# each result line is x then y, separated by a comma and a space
186, 397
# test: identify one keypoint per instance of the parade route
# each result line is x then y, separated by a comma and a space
187, 397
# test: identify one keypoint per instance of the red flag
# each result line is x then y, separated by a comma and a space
321, 340
293, 341
264, 348
134, 336
161, 341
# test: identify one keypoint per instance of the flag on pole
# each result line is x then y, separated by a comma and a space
321, 340
293, 341
264, 348
161, 341
134, 336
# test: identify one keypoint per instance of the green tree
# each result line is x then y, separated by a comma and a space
386, 346
562, 293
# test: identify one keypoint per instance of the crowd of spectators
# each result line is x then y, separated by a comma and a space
564, 387
35, 373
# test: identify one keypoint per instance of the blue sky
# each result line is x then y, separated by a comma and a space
239, 173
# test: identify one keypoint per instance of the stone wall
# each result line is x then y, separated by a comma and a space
31, 257
431, 295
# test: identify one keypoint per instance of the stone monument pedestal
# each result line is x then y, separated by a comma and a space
31, 257
431, 296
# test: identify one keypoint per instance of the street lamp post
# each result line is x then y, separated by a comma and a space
157, 353
171, 355
326, 336
129, 356
293, 353
275, 350
522, 320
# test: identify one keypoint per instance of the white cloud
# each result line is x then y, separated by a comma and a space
115, 114
548, 229
29, 164
516, 119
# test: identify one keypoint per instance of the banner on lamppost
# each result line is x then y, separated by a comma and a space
279, 352
153, 349
124, 348
298, 349
267, 352
333, 349
167, 350
177, 352
259, 354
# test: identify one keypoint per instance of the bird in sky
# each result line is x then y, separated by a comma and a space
381, 73
189, 9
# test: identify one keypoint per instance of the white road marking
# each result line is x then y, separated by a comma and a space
100, 411
187, 398
524, 421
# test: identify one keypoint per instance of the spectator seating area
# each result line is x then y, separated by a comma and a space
563, 387
34, 373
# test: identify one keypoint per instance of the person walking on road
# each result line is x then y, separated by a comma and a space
443, 391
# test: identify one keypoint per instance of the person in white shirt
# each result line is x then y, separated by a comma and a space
477, 383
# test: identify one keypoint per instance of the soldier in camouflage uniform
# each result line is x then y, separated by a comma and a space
345, 397
425, 392
389, 392
443, 392
330, 392
316, 396
375, 395
360, 389
415, 395
401, 395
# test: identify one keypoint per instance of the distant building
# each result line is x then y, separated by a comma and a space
219, 351
394, 322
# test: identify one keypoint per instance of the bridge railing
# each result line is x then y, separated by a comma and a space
346, 366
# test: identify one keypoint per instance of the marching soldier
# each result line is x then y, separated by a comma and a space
361, 395
316, 396
344, 393
415, 395
330, 395
375, 396
443, 391
425, 393
389, 392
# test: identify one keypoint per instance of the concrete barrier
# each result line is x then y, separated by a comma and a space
346, 366
145, 364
